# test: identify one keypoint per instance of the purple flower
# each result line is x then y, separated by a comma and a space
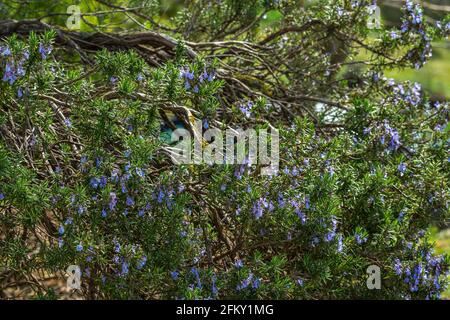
257, 209
256, 283
94, 182
124, 271
61, 230
2, 196
394, 35
398, 267
402, 168
130, 201
214, 289
6, 51
245, 283
67, 123
174, 275
142, 262
112, 201
238, 264
315, 241
160, 196
360, 239
307, 203
197, 277
245, 109
81, 209
44, 50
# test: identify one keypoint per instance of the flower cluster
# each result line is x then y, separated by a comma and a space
14, 65
190, 82
427, 274
246, 109
413, 23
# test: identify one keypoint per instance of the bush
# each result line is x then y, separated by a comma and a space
86, 176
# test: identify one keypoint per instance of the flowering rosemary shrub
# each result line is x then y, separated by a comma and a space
86, 178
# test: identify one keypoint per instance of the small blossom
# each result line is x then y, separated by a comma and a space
238, 264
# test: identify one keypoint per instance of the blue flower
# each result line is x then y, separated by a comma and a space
315, 241
360, 239
256, 283
124, 269
245, 283
257, 209
112, 201
307, 203
174, 275
140, 172
130, 201
402, 168
245, 109
9, 75
44, 50
83, 159
299, 282
398, 267
103, 182
160, 196
197, 277
67, 123
142, 262
79, 247
61, 230
81, 209
394, 35
94, 182
2, 196
5, 51
238, 264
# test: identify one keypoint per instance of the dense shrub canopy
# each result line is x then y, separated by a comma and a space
86, 178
